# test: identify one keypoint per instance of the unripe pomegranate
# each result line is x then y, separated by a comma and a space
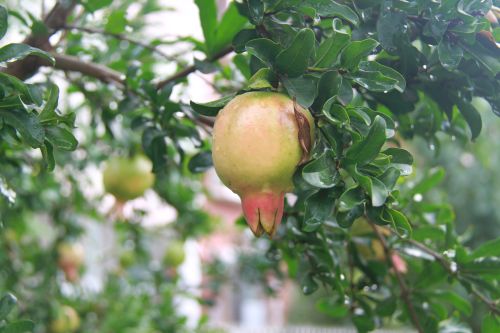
128, 178
174, 254
66, 320
70, 259
259, 139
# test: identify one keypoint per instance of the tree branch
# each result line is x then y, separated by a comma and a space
54, 20
100, 72
188, 70
405, 292
120, 37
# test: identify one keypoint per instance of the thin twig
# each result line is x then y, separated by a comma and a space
188, 70
120, 37
448, 267
405, 292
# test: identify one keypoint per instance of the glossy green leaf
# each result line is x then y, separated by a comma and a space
345, 219
400, 159
242, 38
303, 88
61, 138
293, 61
351, 198
308, 285
256, 11
374, 187
211, 109
13, 52
48, 155
450, 54
377, 77
356, 51
472, 117
336, 114
400, 223
48, 113
230, 24
318, 208
332, 8
366, 150
330, 48
200, 162
484, 266
321, 172
25, 123
264, 49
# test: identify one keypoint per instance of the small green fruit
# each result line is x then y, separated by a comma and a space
174, 254
67, 320
128, 178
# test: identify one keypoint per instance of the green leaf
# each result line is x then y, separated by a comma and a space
117, 22
200, 162
264, 49
14, 51
400, 223
21, 326
7, 303
318, 207
484, 266
332, 8
458, 302
377, 77
260, 80
351, 198
308, 285
433, 178
48, 155
491, 324
211, 109
374, 187
472, 117
25, 123
367, 149
347, 218
208, 19
231, 23
294, 60
400, 159
363, 323
242, 38
488, 249
450, 54
61, 138
321, 172
331, 47
331, 308
256, 11
484, 57
93, 5
303, 88
336, 114
48, 113
3, 21
328, 87
355, 52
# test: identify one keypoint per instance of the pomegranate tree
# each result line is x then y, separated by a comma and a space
259, 139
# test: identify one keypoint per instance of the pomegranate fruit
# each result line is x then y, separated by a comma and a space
66, 320
70, 259
174, 254
259, 139
128, 178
